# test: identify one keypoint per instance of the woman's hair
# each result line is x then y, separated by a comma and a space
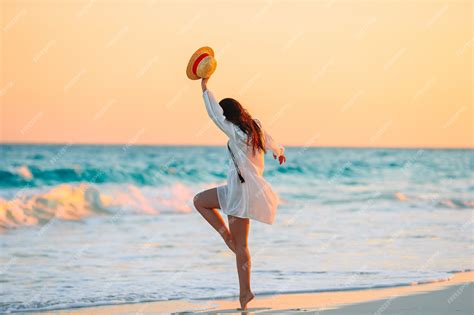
236, 114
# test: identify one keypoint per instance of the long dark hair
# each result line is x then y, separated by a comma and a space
238, 115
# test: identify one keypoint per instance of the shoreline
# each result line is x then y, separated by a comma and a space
325, 301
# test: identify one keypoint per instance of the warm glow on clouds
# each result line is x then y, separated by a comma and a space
337, 73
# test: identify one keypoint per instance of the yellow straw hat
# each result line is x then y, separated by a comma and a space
202, 64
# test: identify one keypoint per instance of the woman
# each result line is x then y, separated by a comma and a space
247, 195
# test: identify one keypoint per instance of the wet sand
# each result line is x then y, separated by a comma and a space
453, 296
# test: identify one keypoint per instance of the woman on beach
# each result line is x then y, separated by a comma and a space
247, 195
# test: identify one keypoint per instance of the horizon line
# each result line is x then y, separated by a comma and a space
218, 145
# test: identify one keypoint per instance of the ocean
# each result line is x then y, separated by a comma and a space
84, 225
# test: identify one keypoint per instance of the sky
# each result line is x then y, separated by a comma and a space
316, 73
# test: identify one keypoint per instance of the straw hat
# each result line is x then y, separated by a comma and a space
202, 64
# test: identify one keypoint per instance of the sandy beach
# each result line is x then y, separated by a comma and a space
442, 297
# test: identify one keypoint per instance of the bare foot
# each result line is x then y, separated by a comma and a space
229, 240
245, 299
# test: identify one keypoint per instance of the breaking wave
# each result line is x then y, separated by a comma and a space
75, 202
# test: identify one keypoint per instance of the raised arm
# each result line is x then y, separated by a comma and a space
215, 111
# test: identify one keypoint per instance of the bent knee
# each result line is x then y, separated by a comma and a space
196, 200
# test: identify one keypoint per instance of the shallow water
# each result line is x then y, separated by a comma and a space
91, 225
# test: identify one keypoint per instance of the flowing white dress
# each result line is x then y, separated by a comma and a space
255, 198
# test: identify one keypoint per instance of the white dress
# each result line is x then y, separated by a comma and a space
255, 198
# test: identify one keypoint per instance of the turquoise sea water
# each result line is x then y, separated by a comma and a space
93, 225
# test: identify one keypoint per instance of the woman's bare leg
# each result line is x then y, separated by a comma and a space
206, 202
239, 229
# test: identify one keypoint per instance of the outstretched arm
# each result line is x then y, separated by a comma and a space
215, 111
270, 144
277, 149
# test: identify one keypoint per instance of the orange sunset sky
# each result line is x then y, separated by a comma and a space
319, 73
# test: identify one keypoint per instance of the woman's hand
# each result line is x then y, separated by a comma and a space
204, 84
281, 158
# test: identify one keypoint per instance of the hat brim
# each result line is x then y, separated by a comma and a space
199, 52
